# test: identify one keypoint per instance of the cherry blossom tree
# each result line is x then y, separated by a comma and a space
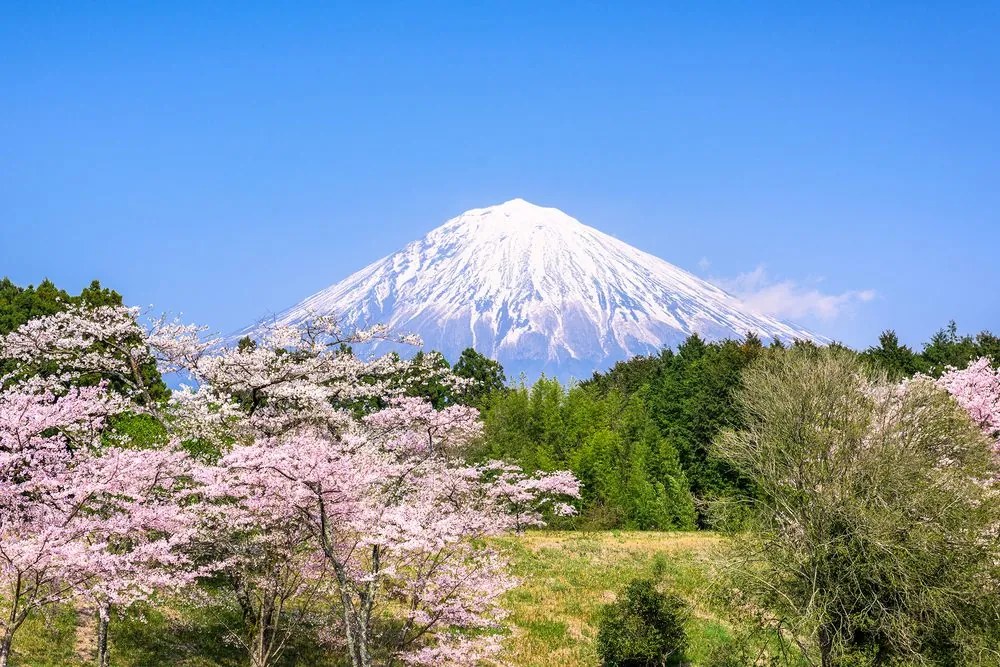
77, 518
136, 530
293, 380
377, 495
296, 376
40, 555
977, 389
320, 477
84, 345
398, 523
526, 497
98, 520
277, 580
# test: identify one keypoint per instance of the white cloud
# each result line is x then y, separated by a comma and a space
790, 300
703, 264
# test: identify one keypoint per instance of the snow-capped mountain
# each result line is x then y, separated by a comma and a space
537, 290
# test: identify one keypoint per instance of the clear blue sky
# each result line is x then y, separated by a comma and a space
224, 160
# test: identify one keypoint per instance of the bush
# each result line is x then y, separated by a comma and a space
871, 534
644, 627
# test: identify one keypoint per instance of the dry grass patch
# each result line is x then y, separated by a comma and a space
567, 576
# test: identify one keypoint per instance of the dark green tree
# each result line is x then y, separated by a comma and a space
487, 375
691, 401
948, 348
989, 346
20, 304
643, 628
246, 344
627, 376
898, 361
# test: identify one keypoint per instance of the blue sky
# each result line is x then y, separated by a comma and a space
838, 164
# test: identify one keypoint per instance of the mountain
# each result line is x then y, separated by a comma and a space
537, 290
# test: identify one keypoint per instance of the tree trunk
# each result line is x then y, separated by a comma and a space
103, 621
365, 615
258, 654
364, 659
5, 648
825, 646
261, 654
350, 629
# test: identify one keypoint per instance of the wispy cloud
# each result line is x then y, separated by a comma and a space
790, 299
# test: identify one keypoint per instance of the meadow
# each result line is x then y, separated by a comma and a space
565, 578
568, 576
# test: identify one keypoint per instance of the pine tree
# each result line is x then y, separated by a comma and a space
487, 375
898, 361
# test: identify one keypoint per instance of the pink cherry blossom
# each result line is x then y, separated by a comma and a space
327, 482
977, 389
78, 518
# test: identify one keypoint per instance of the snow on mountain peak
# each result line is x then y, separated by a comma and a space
538, 290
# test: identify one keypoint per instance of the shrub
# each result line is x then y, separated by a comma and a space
644, 627
872, 532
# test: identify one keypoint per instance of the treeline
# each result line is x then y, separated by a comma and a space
947, 348
631, 474
20, 304
640, 435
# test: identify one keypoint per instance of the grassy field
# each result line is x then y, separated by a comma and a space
566, 577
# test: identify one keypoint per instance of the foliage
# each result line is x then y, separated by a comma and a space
66, 317
630, 475
486, 376
78, 518
478, 376
874, 518
20, 304
639, 436
946, 349
896, 360
330, 490
691, 402
643, 628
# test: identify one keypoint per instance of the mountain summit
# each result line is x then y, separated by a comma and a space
537, 290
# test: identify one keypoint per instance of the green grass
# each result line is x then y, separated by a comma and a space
565, 578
